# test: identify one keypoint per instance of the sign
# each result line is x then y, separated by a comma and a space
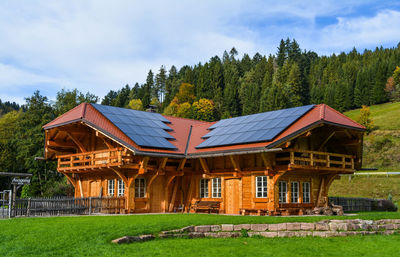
21, 181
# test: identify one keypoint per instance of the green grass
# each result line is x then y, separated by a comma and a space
382, 145
91, 236
385, 116
367, 186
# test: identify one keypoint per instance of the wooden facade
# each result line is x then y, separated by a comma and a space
293, 176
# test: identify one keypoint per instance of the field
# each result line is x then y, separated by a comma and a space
91, 236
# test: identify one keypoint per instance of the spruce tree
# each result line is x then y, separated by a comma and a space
147, 89
281, 54
294, 83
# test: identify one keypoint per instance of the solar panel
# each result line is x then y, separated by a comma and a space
146, 129
261, 127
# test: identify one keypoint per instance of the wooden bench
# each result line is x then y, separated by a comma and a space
208, 206
248, 211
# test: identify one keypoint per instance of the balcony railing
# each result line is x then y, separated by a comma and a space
316, 159
91, 160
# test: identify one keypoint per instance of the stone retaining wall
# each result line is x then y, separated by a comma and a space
326, 228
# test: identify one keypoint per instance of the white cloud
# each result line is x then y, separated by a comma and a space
99, 45
361, 32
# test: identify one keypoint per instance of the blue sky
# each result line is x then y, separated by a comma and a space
101, 45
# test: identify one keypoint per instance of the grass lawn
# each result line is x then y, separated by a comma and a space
91, 236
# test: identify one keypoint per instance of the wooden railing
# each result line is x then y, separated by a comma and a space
95, 159
316, 159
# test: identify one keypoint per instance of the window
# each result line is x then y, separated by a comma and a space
282, 191
294, 192
261, 186
216, 187
121, 187
140, 188
306, 192
204, 188
111, 187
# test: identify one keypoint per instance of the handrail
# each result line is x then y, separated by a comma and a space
92, 152
318, 159
108, 157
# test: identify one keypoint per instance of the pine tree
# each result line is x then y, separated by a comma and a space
231, 91
294, 83
159, 87
281, 54
147, 89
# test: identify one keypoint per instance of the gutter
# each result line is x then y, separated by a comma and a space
233, 152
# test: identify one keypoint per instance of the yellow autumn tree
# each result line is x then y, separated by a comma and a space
184, 110
135, 104
203, 110
365, 118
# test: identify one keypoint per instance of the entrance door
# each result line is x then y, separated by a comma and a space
232, 196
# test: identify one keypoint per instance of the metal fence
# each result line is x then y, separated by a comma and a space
354, 204
66, 206
5, 203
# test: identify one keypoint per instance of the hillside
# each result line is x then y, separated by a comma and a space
382, 151
382, 145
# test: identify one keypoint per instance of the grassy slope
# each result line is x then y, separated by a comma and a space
91, 236
382, 146
382, 151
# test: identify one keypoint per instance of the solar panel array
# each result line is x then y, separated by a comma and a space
146, 129
252, 128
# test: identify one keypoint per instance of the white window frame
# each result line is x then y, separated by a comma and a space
294, 192
204, 186
121, 187
282, 194
216, 187
261, 187
111, 187
140, 188
306, 192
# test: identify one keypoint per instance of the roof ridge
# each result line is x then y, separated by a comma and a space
200, 121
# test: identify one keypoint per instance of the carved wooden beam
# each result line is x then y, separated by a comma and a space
181, 165
161, 166
143, 165
321, 188
70, 179
76, 141
235, 163
80, 186
267, 162
326, 140
204, 165
122, 176
62, 144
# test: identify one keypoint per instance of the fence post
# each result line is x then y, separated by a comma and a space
9, 204
90, 205
28, 208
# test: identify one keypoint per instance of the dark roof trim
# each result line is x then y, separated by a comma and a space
311, 126
343, 126
188, 140
233, 152
62, 124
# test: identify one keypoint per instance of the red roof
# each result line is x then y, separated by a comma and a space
188, 132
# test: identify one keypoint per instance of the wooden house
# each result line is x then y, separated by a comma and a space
273, 162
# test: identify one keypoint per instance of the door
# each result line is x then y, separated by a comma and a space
232, 196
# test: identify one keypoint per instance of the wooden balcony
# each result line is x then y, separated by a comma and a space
92, 160
314, 160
